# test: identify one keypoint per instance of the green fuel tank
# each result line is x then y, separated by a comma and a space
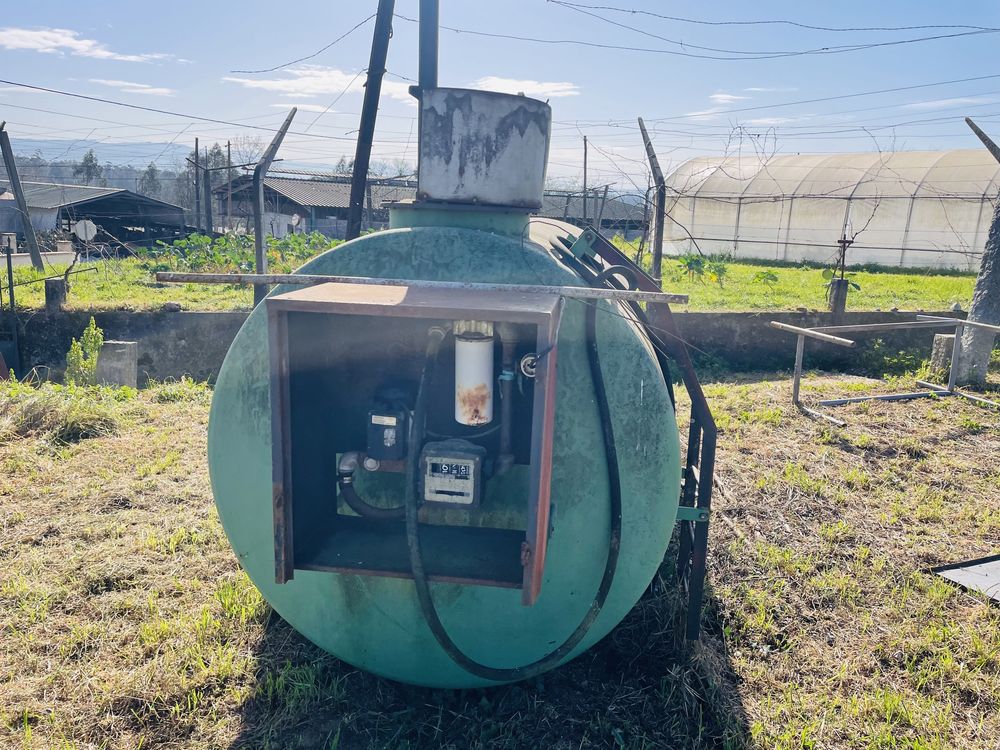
376, 622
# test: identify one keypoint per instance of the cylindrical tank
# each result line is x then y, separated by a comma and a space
483, 148
375, 623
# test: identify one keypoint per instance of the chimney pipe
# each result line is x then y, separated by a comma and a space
428, 71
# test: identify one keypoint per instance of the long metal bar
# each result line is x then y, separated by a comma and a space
259, 172
902, 325
888, 397
22, 204
369, 113
940, 390
962, 322
812, 333
304, 279
660, 207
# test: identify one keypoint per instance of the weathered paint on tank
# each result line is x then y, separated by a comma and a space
375, 623
482, 147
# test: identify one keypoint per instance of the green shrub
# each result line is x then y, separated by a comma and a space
81, 360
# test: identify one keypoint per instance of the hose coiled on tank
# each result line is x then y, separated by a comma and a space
413, 532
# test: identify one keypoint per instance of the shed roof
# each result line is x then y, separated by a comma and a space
45, 195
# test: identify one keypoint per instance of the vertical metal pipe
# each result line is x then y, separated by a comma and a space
369, 111
660, 207
956, 353
800, 346
428, 70
585, 180
260, 251
229, 180
22, 204
197, 188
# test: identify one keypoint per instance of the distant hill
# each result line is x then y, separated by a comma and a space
133, 153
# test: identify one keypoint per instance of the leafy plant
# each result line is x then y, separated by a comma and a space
767, 277
81, 360
716, 271
693, 266
232, 253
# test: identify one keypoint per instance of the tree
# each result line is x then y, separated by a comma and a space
149, 181
976, 345
89, 169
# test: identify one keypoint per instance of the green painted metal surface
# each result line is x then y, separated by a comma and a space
375, 623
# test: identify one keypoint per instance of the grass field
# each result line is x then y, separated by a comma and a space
125, 284
127, 623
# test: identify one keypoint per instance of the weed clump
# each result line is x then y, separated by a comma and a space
59, 413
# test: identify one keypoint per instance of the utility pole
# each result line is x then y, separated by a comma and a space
976, 344
207, 187
229, 180
585, 180
197, 188
659, 205
260, 251
369, 111
22, 205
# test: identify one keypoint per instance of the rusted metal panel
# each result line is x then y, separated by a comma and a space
482, 147
281, 459
542, 432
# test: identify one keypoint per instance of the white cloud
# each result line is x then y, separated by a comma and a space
771, 121
311, 81
304, 107
128, 87
541, 89
66, 41
723, 98
705, 114
957, 101
768, 89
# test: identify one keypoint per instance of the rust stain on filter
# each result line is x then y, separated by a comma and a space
473, 402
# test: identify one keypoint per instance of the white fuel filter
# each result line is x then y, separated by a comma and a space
473, 372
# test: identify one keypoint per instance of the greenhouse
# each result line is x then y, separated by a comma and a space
907, 208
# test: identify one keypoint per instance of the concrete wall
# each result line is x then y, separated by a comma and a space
746, 341
172, 344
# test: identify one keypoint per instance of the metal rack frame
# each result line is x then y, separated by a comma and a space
827, 334
695, 505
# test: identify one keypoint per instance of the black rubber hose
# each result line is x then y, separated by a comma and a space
427, 607
365, 510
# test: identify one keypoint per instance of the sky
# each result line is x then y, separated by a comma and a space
600, 63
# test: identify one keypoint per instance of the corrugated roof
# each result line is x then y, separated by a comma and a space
333, 193
330, 194
45, 195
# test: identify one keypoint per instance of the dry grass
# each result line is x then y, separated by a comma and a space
126, 622
837, 634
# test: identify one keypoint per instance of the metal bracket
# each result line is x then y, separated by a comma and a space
695, 515
583, 247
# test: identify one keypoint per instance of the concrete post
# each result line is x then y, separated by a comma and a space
118, 363
941, 353
55, 294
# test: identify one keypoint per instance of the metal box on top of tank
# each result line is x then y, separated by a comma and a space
346, 361
482, 147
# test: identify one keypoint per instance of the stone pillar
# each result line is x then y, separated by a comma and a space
55, 294
944, 343
118, 363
